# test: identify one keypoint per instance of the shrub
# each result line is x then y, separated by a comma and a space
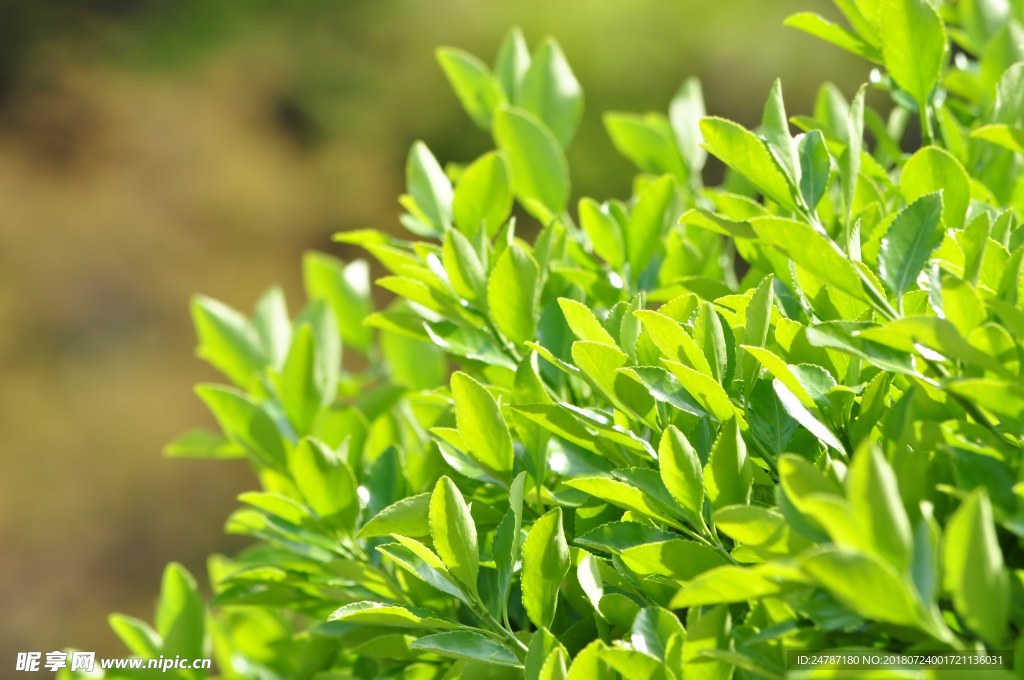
674, 436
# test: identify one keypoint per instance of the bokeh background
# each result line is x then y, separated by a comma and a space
152, 149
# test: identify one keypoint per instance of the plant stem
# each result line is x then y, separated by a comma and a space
926, 124
482, 612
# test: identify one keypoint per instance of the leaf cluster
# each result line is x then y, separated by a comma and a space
673, 435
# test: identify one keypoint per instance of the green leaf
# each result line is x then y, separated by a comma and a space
673, 340
483, 196
453, 533
540, 174
775, 128
909, 242
300, 387
815, 495
421, 562
768, 420
588, 664
481, 425
652, 629
411, 362
202, 443
245, 423
542, 645
663, 386
648, 223
878, 507
407, 517
751, 525
810, 418
346, 288
277, 505
718, 224
562, 422
272, 325
728, 474
1002, 397
512, 294
864, 585
512, 62
551, 92
911, 333
962, 305
555, 666
392, 616
932, 170
709, 334
685, 113
975, 574
811, 250
819, 27
429, 187
815, 167
583, 322
180, 614
757, 324
227, 340
913, 46
604, 232
588, 573
545, 564
704, 389
706, 631
326, 483
477, 90
681, 470
745, 153
724, 585
1007, 136
677, 559
464, 644
137, 635
849, 337
617, 536
327, 359
648, 141
632, 664
463, 267
850, 161
599, 362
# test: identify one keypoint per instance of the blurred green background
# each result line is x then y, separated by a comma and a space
152, 149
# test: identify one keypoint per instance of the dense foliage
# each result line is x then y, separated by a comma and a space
672, 436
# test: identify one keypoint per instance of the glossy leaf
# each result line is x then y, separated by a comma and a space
453, 533
327, 484
975, 574
742, 151
913, 45
681, 470
545, 563
464, 644
551, 92
512, 292
483, 196
540, 175
909, 242
931, 170
473, 83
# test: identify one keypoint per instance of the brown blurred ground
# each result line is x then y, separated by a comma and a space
145, 158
